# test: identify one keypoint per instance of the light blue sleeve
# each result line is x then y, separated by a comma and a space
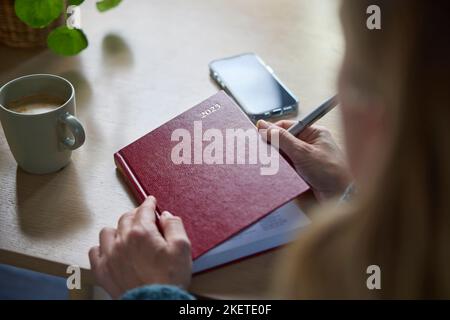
157, 292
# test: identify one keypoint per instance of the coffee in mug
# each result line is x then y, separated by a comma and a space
35, 104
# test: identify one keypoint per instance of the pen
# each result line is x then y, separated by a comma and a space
312, 117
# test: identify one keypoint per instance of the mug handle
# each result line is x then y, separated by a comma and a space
76, 129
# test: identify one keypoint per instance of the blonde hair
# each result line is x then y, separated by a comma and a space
402, 224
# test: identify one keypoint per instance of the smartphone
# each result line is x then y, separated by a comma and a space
254, 86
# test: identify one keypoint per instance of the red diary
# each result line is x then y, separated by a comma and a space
190, 164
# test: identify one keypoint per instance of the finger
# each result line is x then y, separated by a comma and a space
146, 211
125, 222
101, 273
307, 133
94, 257
282, 139
285, 124
145, 219
107, 237
311, 133
173, 231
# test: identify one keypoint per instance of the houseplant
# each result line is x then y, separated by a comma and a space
29, 23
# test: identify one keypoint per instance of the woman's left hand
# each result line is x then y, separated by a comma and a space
137, 253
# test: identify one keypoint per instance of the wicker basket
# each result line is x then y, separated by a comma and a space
15, 33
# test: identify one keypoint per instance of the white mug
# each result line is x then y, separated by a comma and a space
41, 143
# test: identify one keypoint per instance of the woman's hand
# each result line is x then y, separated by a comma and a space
316, 157
137, 253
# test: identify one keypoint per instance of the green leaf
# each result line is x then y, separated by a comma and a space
67, 42
75, 2
38, 13
105, 5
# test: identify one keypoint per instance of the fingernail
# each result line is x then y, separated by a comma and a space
150, 200
261, 124
166, 214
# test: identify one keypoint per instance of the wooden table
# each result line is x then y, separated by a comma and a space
147, 61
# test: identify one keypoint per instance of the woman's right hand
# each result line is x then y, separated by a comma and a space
315, 156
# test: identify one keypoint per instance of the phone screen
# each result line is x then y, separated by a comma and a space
252, 84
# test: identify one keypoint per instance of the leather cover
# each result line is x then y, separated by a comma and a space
215, 201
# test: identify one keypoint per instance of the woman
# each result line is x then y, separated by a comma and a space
394, 92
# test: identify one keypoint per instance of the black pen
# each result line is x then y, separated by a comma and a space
312, 117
